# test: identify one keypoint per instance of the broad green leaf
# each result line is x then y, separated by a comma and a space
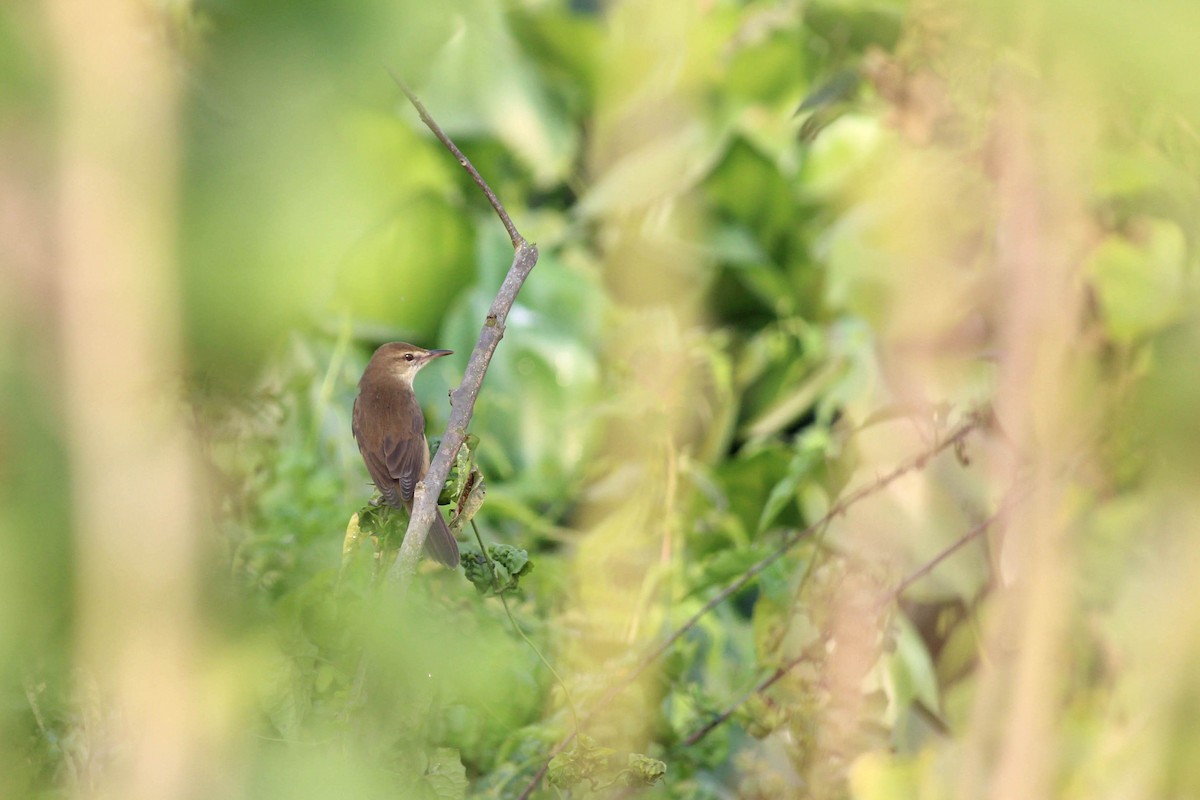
772, 68
481, 83
856, 24
445, 775
911, 673
747, 185
747, 482
727, 565
1140, 288
838, 157
405, 271
788, 487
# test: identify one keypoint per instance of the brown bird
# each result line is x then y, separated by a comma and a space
390, 430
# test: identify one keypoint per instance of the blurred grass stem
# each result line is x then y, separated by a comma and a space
131, 479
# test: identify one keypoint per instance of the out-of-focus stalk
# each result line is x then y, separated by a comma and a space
131, 481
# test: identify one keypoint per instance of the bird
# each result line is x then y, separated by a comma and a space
390, 430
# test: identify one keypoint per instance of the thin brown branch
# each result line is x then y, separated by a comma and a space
463, 398
724, 716
925, 569
962, 542
840, 507
517, 239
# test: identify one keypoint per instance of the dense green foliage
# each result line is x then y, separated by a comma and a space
827, 283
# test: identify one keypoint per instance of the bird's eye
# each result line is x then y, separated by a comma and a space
408, 356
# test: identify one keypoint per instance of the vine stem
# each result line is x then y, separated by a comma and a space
521, 633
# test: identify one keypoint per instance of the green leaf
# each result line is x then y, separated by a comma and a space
770, 69
405, 270
569, 44
856, 24
445, 775
726, 565
585, 761
760, 716
911, 671
785, 491
839, 155
1140, 288
748, 186
643, 771
747, 481
510, 565
481, 82
781, 632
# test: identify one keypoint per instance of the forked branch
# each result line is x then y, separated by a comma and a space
462, 398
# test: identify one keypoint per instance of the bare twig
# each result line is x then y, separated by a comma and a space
967, 537
891, 596
464, 162
462, 398
724, 716
837, 509
975, 533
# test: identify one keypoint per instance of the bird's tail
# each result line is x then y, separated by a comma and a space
440, 544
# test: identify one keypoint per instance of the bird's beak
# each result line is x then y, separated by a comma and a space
439, 353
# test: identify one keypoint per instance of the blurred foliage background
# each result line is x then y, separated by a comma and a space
903, 291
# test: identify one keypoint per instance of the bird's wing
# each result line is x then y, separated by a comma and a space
374, 459
407, 460
383, 481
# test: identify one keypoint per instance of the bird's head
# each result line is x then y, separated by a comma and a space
403, 360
